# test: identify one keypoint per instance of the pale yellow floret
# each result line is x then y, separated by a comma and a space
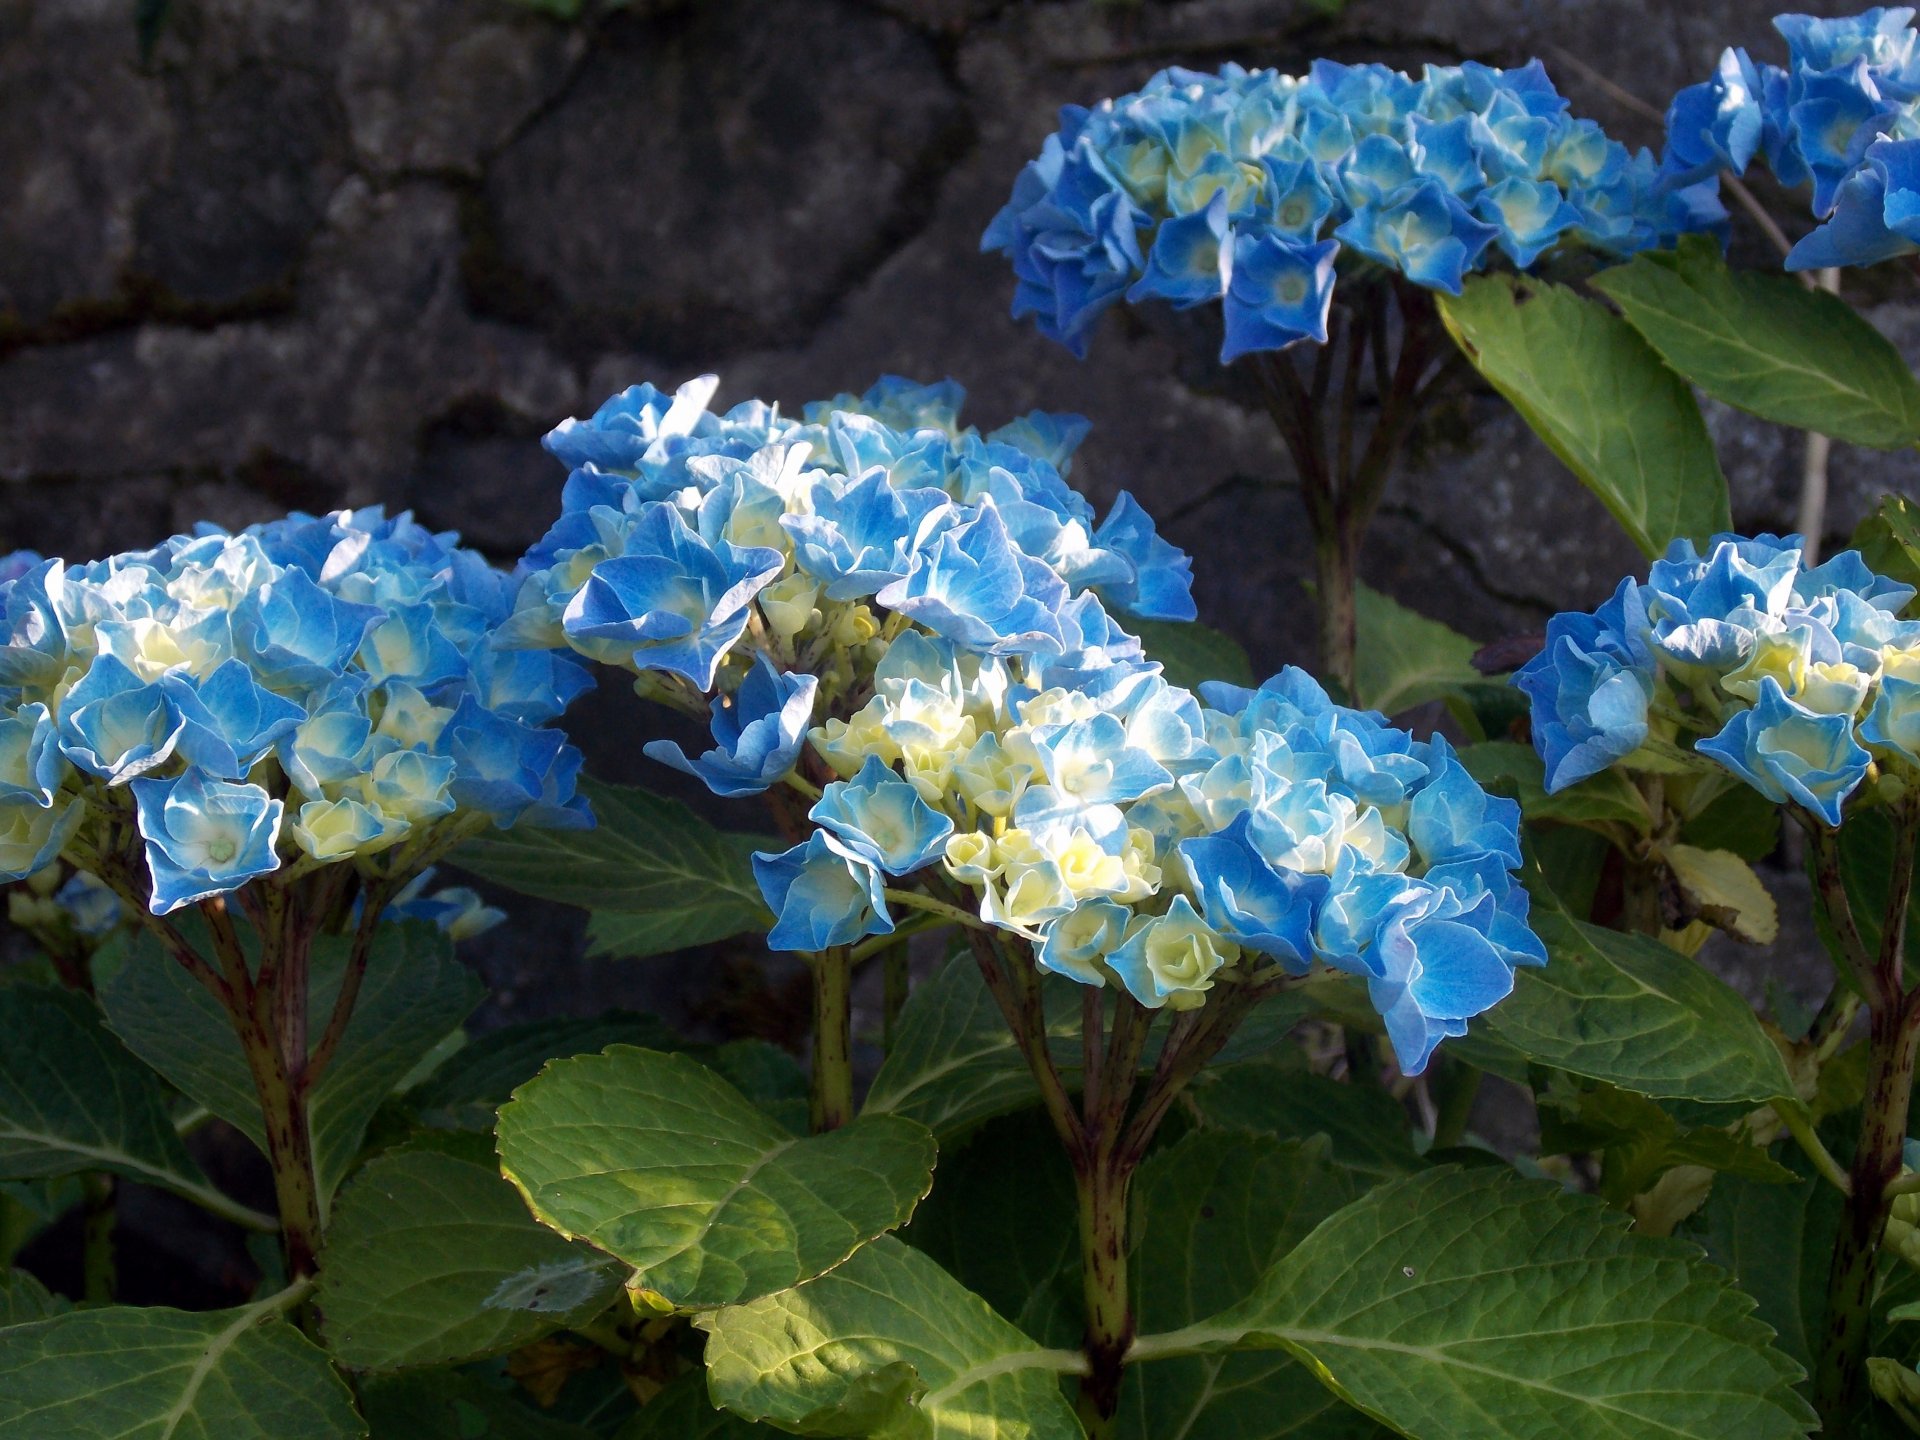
1183, 954
788, 603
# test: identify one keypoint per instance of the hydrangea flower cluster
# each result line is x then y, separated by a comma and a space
1136, 835
763, 562
1797, 678
922, 619
1247, 186
1842, 117
313, 690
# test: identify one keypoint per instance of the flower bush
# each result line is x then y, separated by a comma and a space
1149, 1004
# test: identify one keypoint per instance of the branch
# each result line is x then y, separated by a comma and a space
1831, 891
373, 901
1053, 1094
914, 900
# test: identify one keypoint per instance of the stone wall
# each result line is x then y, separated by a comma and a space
314, 252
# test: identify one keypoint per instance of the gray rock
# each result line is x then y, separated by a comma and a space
441, 84
256, 154
717, 180
80, 133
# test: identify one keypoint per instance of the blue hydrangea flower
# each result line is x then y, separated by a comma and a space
1171, 959
32, 836
1791, 754
116, 725
31, 765
635, 426
513, 773
1161, 584
1280, 294
228, 719
455, 909
1091, 762
1192, 259
1590, 687
1894, 721
1842, 117
1079, 942
292, 632
1786, 655
1433, 967
975, 587
757, 733
822, 893
93, 909
859, 538
204, 837
1243, 187
881, 816
672, 601
1248, 900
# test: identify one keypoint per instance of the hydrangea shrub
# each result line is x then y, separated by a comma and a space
1136, 1091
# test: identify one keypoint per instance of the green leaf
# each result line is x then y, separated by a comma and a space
655, 875
888, 1346
475, 1081
682, 1411
1212, 1213
1866, 868
1000, 1220
1889, 541
954, 1062
1601, 399
1641, 1140
1366, 1126
421, 1258
1764, 343
1739, 819
659, 1161
454, 1405
1724, 890
1630, 1011
126, 1374
23, 1298
73, 1099
1402, 659
1192, 653
1469, 1302
767, 1075
1777, 1242
1515, 770
414, 993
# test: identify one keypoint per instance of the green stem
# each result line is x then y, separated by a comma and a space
1830, 889
914, 900
1336, 576
296, 938
830, 1083
1459, 1088
97, 1259
1840, 1384
1893, 1036
1804, 1135
1102, 1186
296, 1188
